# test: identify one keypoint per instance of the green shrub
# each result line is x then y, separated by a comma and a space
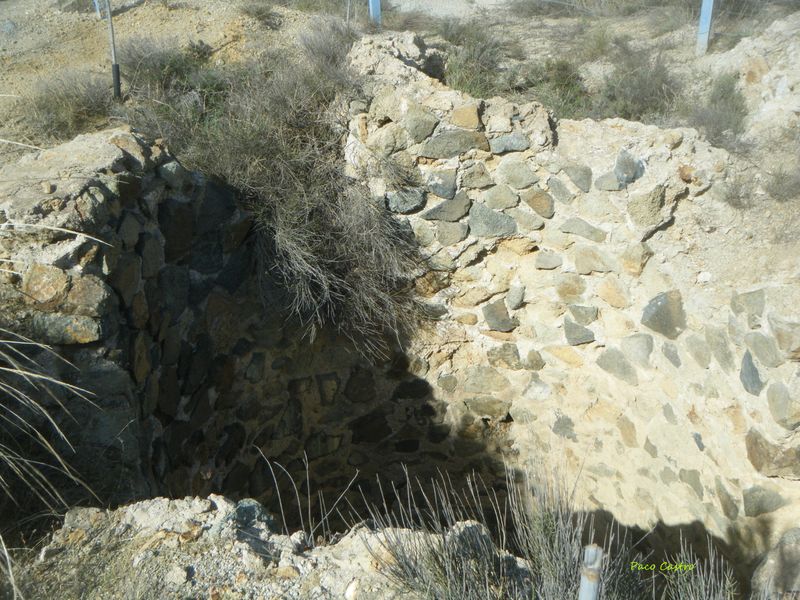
475, 63
558, 85
783, 184
721, 117
72, 103
640, 87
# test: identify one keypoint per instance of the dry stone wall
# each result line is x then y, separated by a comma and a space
158, 303
585, 300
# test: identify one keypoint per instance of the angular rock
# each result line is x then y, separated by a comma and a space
534, 361
466, 117
496, 316
89, 296
589, 260
691, 477
476, 176
484, 380
126, 277
614, 362
570, 287
448, 234
152, 253
45, 284
759, 501
784, 409
578, 226
442, 182
488, 406
485, 222
448, 144
764, 348
787, 334
729, 504
773, 460
499, 197
718, 343
635, 257
515, 297
57, 328
515, 172
559, 191
749, 375
613, 292
547, 260
670, 351
645, 209
583, 314
751, 304
405, 201
539, 200
526, 220
423, 232
664, 314
505, 356
175, 175
627, 167
698, 349
608, 182
419, 123
450, 210
778, 573
575, 334
510, 142
638, 348
580, 175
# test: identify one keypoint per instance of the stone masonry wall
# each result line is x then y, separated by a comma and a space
581, 274
194, 378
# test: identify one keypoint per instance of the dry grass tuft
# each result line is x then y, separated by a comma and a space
63, 107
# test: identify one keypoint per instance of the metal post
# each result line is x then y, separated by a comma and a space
590, 573
97, 8
704, 29
114, 65
375, 11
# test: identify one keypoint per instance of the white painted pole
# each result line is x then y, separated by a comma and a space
590, 573
375, 11
704, 29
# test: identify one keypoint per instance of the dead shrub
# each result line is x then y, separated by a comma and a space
73, 103
274, 131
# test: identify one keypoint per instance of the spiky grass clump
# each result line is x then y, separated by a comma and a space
471, 538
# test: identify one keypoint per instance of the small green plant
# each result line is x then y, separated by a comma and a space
476, 63
72, 103
558, 85
640, 88
721, 117
783, 184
